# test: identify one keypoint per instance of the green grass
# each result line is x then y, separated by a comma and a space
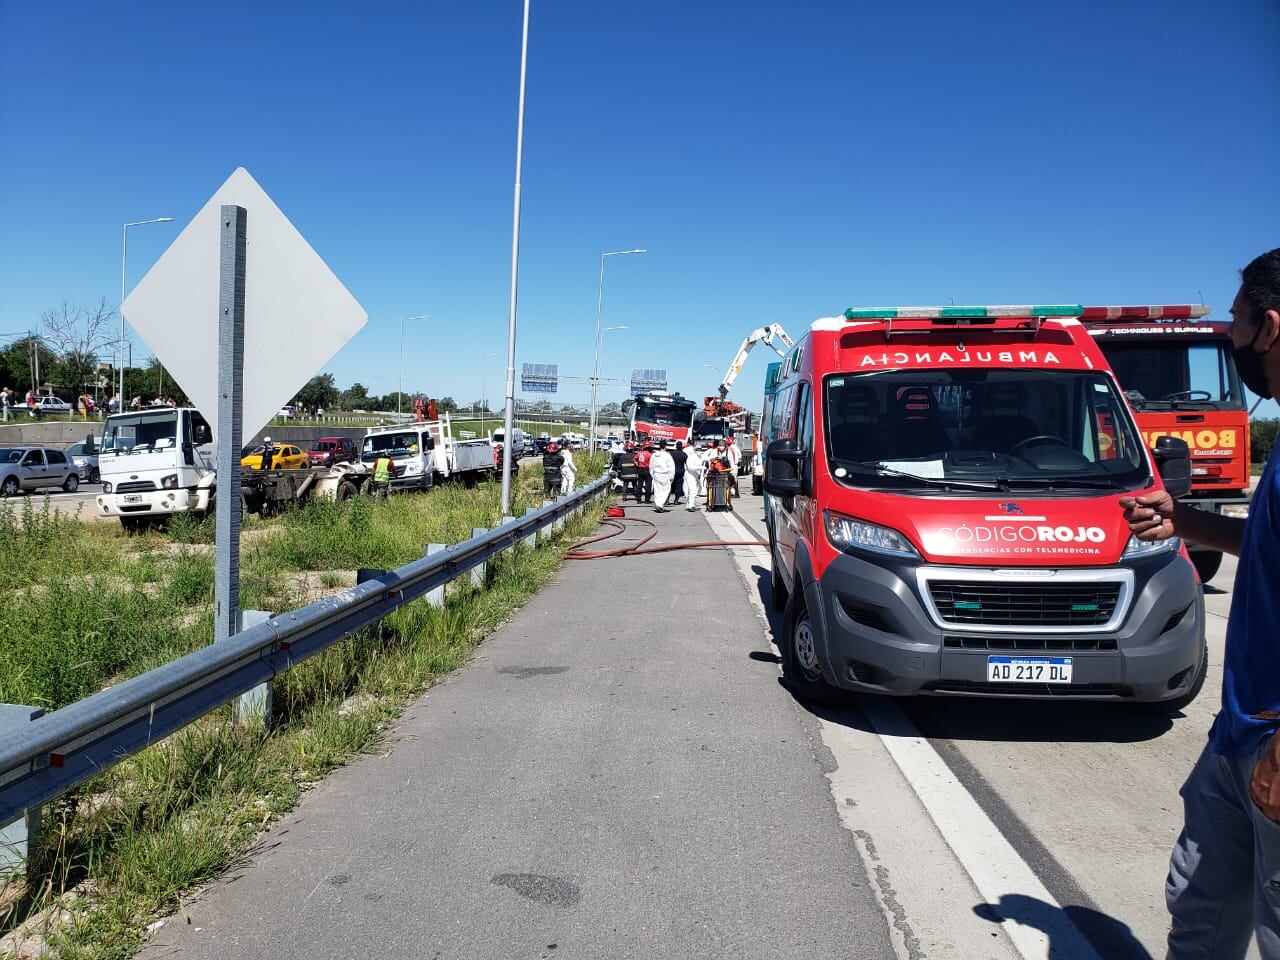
126, 845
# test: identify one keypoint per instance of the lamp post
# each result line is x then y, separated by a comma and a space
124, 256
602, 333
595, 377
510, 399
484, 390
400, 392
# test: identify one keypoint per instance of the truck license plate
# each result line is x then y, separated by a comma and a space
1028, 669
132, 498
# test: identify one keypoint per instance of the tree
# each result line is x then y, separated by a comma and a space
318, 392
447, 405
1263, 439
79, 334
156, 381
20, 356
356, 395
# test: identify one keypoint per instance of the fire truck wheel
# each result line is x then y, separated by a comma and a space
1181, 703
800, 657
1207, 563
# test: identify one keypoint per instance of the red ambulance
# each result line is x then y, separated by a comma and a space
944, 489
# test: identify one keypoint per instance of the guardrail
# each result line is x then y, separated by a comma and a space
55, 752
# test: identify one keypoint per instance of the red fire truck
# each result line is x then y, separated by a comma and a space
1179, 377
658, 415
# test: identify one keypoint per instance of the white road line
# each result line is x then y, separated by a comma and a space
1032, 918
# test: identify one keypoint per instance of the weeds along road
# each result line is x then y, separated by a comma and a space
619, 773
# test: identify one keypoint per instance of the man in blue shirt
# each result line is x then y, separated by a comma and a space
1224, 875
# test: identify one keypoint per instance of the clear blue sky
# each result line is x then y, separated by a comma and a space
780, 161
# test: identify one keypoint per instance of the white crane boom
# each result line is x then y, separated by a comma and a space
765, 335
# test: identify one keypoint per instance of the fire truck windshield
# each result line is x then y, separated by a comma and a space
1163, 374
664, 414
979, 429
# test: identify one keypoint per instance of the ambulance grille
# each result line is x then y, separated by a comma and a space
1036, 604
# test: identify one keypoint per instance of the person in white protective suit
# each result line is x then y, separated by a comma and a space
663, 470
568, 473
694, 475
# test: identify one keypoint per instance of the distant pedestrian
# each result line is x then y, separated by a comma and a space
268, 451
1224, 876
663, 470
569, 476
693, 472
552, 470
6, 403
681, 459
645, 483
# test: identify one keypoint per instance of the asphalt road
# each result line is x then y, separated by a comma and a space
82, 503
620, 773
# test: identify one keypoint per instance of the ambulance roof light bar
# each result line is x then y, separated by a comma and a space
1151, 312
1023, 320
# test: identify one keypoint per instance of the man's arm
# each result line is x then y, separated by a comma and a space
1157, 516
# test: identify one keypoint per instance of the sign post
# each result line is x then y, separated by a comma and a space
226, 588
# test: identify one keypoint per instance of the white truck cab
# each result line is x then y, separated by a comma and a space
155, 463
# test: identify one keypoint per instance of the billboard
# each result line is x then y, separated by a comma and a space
539, 377
643, 381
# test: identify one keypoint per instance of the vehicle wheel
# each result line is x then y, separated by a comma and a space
94, 475
133, 524
800, 657
1184, 701
1207, 563
346, 490
71, 484
9, 488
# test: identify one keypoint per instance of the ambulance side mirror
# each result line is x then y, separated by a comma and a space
1173, 460
782, 469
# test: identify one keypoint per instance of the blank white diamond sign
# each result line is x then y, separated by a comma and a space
297, 314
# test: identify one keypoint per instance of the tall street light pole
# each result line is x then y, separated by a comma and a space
515, 275
602, 333
595, 376
400, 393
124, 257
484, 390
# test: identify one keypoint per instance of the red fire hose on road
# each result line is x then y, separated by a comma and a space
576, 552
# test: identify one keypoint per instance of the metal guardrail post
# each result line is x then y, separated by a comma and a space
435, 597
17, 838
532, 539
254, 706
479, 571
551, 530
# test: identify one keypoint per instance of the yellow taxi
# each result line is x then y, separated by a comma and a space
284, 457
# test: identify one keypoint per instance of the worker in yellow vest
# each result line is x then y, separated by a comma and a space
383, 471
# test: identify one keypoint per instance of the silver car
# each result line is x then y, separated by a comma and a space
30, 468
85, 458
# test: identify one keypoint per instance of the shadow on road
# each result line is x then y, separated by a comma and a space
1112, 939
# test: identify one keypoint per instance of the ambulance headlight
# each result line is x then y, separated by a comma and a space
1136, 548
846, 532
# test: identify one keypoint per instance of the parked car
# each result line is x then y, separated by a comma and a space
30, 468
540, 445
51, 404
284, 457
85, 458
287, 412
327, 451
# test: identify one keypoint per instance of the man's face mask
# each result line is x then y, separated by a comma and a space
1249, 364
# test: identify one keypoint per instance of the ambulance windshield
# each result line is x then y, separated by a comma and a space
981, 429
